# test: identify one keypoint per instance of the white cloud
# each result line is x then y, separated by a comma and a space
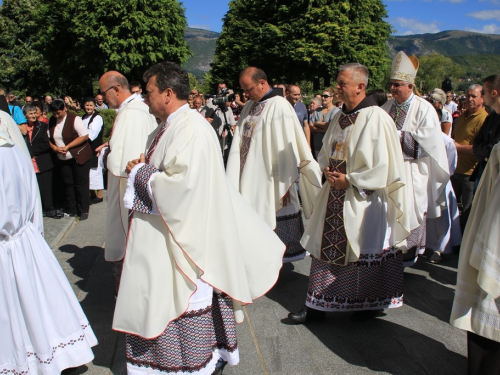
414, 26
487, 29
486, 15
201, 26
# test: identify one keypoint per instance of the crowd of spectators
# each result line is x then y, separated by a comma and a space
50, 154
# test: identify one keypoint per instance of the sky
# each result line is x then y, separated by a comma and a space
406, 16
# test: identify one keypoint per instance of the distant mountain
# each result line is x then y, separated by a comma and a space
447, 43
478, 53
202, 43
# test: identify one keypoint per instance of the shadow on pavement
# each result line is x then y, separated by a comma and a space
96, 298
378, 344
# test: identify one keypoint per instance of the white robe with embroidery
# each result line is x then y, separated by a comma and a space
373, 162
131, 135
204, 230
278, 155
477, 296
428, 175
43, 329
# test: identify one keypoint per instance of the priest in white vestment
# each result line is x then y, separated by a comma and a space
477, 296
43, 329
269, 153
131, 134
424, 153
196, 250
359, 219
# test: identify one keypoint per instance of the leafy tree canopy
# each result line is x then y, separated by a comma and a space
78, 40
434, 68
294, 40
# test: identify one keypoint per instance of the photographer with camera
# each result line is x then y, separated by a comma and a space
218, 113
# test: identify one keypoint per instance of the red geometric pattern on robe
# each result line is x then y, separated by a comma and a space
188, 343
374, 282
334, 242
411, 148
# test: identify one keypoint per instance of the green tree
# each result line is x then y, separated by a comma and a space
22, 66
125, 35
434, 68
302, 39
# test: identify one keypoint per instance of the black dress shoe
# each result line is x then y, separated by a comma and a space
307, 315
364, 315
84, 216
96, 200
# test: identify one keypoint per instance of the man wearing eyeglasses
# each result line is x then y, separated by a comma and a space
424, 152
129, 137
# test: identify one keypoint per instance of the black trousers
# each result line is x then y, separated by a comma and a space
45, 185
75, 178
483, 355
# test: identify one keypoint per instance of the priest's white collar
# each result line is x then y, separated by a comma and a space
407, 100
181, 109
125, 102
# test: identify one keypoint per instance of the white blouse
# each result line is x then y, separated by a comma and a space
80, 128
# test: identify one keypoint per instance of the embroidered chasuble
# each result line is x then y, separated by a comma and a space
268, 155
353, 233
426, 166
181, 200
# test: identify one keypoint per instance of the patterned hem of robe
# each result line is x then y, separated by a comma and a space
289, 229
374, 282
191, 344
416, 243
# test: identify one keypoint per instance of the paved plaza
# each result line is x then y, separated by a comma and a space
414, 339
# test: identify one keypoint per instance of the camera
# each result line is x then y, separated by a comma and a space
223, 97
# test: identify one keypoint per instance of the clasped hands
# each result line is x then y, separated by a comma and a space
131, 164
336, 179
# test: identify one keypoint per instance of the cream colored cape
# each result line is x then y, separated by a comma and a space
278, 155
427, 176
132, 133
205, 231
477, 296
374, 162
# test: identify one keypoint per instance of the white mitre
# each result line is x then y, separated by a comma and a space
404, 68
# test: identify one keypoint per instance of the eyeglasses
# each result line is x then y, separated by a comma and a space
326, 96
395, 84
105, 91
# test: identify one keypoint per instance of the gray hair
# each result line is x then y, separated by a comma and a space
475, 86
359, 72
438, 95
316, 100
28, 108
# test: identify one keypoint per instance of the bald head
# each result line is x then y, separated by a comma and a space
254, 82
114, 88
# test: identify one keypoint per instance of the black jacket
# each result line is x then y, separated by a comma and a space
39, 146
